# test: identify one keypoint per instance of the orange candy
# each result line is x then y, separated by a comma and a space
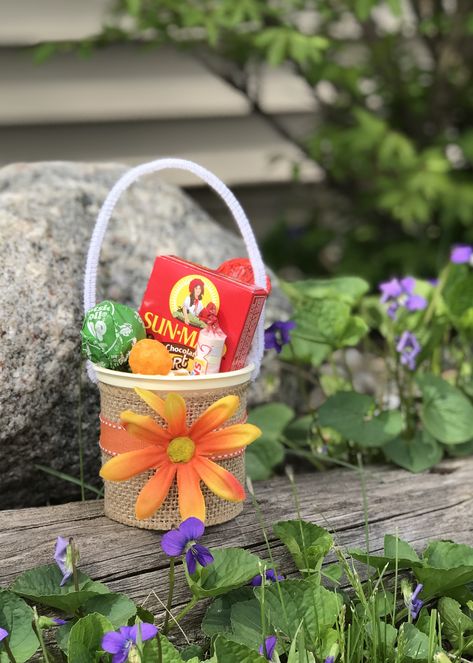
150, 357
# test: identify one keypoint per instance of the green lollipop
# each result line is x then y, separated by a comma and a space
109, 332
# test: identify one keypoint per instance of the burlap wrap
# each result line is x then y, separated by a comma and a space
120, 497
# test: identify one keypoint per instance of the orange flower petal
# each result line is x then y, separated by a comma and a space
125, 466
150, 398
175, 415
214, 416
219, 480
155, 491
228, 439
143, 427
191, 500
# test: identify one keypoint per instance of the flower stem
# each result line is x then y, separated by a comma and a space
75, 559
160, 651
8, 651
170, 595
187, 608
39, 633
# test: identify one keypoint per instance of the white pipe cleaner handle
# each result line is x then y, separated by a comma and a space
90, 280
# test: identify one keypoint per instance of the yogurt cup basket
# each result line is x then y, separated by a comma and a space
201, 404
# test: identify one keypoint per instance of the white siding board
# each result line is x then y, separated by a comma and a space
118, 83
25, 22
239, 150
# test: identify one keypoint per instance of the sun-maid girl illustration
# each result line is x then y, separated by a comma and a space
193, 301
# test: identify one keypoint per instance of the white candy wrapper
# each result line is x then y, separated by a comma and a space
209, 350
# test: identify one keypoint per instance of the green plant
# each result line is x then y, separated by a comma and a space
327, 611
421, 405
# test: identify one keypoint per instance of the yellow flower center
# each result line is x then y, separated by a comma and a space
181, 449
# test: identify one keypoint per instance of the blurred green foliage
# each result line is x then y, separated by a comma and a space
392, 130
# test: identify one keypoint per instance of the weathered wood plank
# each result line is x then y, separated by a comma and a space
436, 504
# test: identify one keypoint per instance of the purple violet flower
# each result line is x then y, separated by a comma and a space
119, 644
3, 634
176, 542
63, 558
269, 647
409, 347
330, 659
59, 622
277, 335
462, 254
415, 603
400, 292
270, 575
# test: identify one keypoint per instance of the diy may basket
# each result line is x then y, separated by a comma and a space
117, 389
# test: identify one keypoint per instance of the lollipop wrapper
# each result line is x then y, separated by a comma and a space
109, 332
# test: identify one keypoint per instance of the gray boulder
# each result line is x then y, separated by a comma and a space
47, 212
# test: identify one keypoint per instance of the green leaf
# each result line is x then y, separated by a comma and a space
304, 351
461, 450
85, 640
363, 8
169, 652
246, 623
217, 619
333, 572
271, 418
308, 543
17, 617
416, 454
416, 643
267, 451
446, 566
231, 568
355, 330
331, 384
383, 634
458, 296
347, 413
396, 547
299, 431
295, 601
263, 455
118, 608
321, 320
407, 557
192, 653
446, 412
228, 651
454, 622
349, 289
42, 585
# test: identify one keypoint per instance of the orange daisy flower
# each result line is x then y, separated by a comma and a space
181, 452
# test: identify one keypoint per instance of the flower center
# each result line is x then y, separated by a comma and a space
181, 449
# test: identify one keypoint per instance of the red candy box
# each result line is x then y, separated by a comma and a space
176, 305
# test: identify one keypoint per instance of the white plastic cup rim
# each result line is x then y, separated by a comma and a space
174, 382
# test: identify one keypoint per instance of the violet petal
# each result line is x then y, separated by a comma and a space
202, 554
191, 562
192, 528
173, 543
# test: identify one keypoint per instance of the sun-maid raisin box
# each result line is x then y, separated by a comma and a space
177, 298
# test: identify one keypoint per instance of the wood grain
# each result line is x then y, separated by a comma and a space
436, 504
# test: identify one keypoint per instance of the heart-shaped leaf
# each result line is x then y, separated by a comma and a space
43, 585
231, 568
17, 618
350, 414
417, 454
446, 412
